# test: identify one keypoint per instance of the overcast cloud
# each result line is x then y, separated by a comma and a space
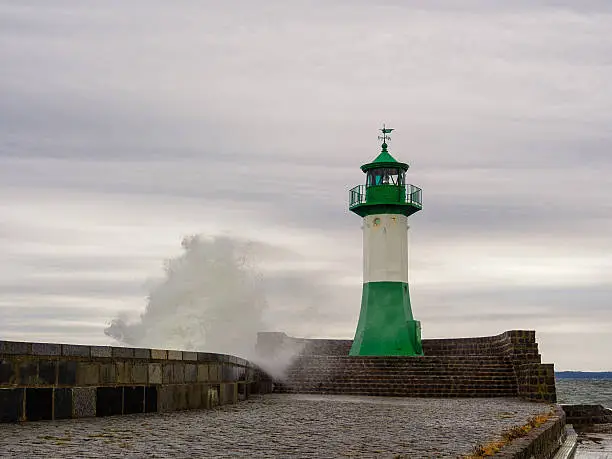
126, 126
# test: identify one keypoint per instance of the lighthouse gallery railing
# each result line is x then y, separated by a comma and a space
408, 194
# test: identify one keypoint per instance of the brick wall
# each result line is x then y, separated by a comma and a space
587, 414
56, 381
516, 350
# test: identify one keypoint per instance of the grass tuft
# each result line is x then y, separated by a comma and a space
492, 448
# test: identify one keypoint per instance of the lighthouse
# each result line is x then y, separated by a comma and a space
386, 325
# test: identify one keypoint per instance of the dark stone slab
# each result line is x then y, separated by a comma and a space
46, 349
107, 373
175, 355
88, 374
242, 391
142, 353
151, 399
74, 350
84, 402
101, 351
167, 373
47, 372
133, 399
194, 396
109, 401
66, 373
179, 396
11, 405
212, 396
191, 373
122, 372
123, 352
28, 373
7, 372
63, 403
14, 347
139, 373
178, 373
165, 399
227, 373
39, 404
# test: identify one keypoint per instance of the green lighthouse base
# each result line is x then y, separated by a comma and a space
386, 326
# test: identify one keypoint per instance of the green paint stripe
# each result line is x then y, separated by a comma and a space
386, 325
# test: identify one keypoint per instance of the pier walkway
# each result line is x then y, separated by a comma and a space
298, 426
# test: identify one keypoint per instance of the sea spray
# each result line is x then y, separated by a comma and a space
211, 299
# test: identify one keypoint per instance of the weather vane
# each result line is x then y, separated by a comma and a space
385, 130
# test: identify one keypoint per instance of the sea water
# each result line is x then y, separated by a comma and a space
584, 391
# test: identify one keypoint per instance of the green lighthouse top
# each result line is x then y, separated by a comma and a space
384, 159
385, 190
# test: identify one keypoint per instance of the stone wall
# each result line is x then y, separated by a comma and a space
516, 348
587, 414
57, 381
542, 442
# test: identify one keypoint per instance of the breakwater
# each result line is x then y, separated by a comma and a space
508, 364
58, 381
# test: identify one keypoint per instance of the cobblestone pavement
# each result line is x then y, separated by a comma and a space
285, 426
595, 442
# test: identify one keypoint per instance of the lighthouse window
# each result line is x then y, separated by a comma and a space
385, 176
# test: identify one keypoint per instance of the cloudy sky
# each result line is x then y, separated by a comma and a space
125, 126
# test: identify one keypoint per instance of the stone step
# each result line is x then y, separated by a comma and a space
381, 380
404, 393
464, 384
398, 367
399, 370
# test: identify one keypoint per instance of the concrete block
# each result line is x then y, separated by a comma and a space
167, 373
109, 401
194, 396
151, 404
8, 374
108, 373
140, 353
84, 402
212, 397
62, 401
123, 372
159, 354
180, 397
101, 351
178, 373
228, 394
88, 374
202, 372
39, 403
190, 356
214, 372
47, 372
46, 349
66, 373
28, 373
133, 399
75, 350
11, 405
155, 373
165, 399
140, 372
14, 347
175, 355
191, 373
243, 391
123, 352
